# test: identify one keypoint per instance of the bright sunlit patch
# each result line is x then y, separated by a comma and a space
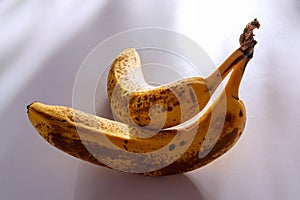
215, 25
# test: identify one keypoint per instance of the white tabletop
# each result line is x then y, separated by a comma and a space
42, 45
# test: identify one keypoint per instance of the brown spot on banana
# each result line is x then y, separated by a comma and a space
241, 113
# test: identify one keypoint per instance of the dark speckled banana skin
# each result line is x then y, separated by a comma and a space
71, 130
131, 98
134, 149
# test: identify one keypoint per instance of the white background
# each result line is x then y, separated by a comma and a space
43, 43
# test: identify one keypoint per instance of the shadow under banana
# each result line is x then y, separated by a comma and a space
95, 184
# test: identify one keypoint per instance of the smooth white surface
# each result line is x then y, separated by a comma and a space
42, 45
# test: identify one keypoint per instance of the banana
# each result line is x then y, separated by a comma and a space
134, 101
127, 148
134, 149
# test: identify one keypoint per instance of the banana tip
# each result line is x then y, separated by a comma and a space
28, 106
255, 23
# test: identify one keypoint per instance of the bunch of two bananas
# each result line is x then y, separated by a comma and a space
139, 142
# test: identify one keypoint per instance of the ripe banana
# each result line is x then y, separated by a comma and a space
135, 149
127, 148
134, 101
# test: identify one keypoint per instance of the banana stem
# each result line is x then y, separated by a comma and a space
247, 41
214, 80
246, 50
